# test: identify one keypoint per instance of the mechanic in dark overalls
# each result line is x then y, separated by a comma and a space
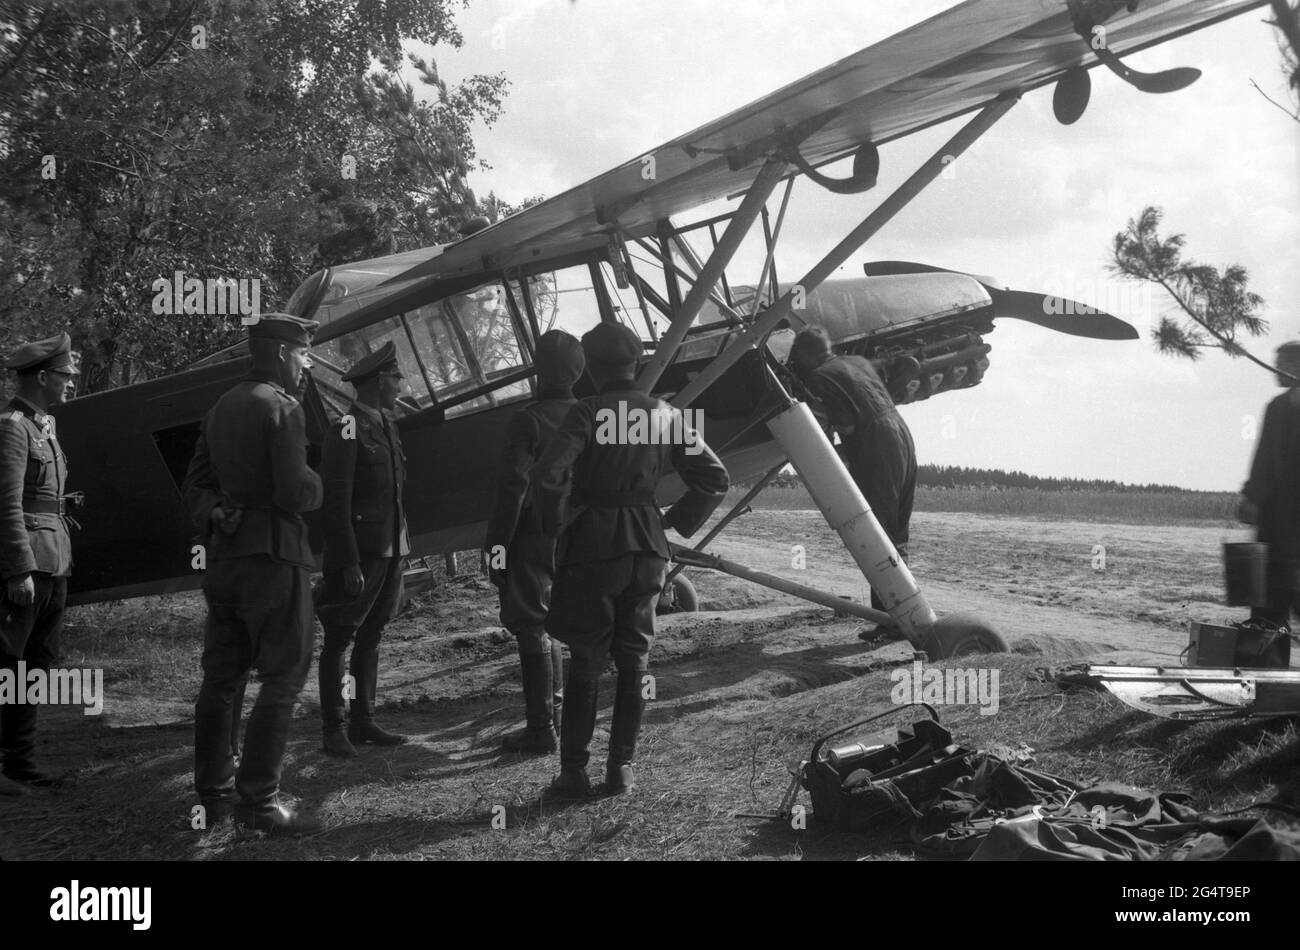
876, 444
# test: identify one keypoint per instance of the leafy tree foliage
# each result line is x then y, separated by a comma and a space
1218, 308
243, 139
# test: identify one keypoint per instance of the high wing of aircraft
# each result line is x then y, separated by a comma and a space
466, 316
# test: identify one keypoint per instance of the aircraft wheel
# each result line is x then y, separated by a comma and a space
964, 635
682, 597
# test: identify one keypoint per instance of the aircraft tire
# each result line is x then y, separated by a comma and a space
683, 599
964, 635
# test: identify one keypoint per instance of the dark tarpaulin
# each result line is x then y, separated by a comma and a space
1004, 812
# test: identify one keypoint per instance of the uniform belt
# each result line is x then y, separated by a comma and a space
617, 499
249, 503
45, 506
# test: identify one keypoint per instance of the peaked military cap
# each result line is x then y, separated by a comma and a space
283, 327
54, 353
372, 363
611, 343
560, 360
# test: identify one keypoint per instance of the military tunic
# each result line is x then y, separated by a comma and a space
613, 552
363, 469
33, 541
516, 526
251, 457
34, 535
1274, 487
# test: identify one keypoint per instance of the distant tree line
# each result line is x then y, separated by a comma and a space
956, 476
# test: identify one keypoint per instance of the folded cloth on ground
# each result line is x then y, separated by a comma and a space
1005, 812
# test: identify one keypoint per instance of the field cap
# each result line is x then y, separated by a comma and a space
560, 360
611, 343
372, 363
283, 327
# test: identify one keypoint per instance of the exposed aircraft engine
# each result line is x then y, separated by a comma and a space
930, 363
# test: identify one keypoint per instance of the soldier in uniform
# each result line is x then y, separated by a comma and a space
1271, 496
516, 529
247, 488
363, 469
613, 554
876, 443
35, 550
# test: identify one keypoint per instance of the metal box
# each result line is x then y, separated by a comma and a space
1244, 645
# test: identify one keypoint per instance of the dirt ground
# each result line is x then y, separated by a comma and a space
741, 689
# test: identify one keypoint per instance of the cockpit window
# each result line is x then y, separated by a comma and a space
568, 300
468, 341
334, 358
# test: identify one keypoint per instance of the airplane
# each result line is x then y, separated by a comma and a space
466, 316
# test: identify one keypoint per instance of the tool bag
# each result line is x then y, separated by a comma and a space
882, 779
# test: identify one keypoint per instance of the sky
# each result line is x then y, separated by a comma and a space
1034, 203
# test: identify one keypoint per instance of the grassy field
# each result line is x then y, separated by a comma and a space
1216, 508
739, 694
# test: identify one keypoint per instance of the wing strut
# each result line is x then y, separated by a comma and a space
673, 270
773, 235
908, 190
768, 176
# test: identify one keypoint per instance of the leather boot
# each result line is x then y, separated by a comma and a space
214, 765
623, 731
557, 683
265, 740
538, 737
276, 818
333, 717
329, 681
236, 716
362, 728
18, 740
336, 743
580, 698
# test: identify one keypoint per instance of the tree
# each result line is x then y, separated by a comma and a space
1218, 306
1286, 17
242, 139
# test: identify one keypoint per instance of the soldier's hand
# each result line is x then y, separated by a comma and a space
353, 580
1247, 511
227, 520
20, 590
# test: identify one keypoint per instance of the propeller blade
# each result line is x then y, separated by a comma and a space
1169, 80
1054, 313
1060, 314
